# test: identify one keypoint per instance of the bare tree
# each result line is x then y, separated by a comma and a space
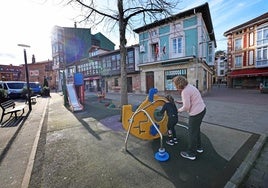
127, 14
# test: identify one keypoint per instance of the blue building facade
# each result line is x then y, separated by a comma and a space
182, 44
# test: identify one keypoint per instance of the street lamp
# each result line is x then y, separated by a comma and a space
27, 75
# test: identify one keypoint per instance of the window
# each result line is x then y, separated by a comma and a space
177, 45
250, 58
262, 36
262, 57
251, 39
170, 74
155, 51
238, 44
116, 82
210, 52
238, 61
130, 59
118, 60
114, 62
94, 53
222, 64
262, 54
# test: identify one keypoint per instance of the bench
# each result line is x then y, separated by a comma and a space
9, 107
100, 96
33, 99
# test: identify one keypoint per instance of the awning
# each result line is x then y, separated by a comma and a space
249, 72
92, 78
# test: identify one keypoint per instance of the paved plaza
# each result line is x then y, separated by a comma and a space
54, 147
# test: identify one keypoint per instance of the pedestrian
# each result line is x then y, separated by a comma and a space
172, 112
192, 103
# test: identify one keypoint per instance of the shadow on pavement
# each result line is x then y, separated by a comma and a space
209, 170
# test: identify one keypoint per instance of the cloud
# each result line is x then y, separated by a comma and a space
7, 55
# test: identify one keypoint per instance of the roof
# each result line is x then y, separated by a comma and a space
258, 20
204, 9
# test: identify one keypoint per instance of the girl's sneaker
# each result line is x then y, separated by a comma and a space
175, 140
170, 142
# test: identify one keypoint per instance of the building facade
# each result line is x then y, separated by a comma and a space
101, 70
38, 71
182, 44
70, 45
11, 73
221, 68
247, 50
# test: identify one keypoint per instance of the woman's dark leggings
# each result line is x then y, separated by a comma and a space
194, 131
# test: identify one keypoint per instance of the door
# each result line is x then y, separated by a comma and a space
149, 81
129, 85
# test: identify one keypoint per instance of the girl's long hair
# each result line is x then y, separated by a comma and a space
170, 98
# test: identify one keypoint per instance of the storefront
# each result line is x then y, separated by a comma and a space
247, 78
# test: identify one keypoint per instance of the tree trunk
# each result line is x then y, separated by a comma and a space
122, 47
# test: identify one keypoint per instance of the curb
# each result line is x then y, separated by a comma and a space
30, 164
247, 164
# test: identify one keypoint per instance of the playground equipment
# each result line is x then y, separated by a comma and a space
75, 93
73, 99
144, 123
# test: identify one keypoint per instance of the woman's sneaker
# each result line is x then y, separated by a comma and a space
187, 155
170, 142
200, 150
175, 140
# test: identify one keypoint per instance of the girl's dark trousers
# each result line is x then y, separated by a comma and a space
172, 121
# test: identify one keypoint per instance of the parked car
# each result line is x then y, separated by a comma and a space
13, 88
264, 87
35, 86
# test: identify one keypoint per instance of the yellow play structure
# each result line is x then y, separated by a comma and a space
144, 123
140, 122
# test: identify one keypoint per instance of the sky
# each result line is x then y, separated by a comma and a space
30, 22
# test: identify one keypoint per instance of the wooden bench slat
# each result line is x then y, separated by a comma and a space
18, 108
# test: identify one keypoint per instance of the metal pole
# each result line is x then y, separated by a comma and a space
27, 75
27, 79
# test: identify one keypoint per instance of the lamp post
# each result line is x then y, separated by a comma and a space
27, 75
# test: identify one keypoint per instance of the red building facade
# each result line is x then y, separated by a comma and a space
247, 53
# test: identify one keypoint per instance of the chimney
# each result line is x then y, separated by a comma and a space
33, 59
75, 26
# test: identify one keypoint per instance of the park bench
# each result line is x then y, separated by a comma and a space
33, 99
101, 96
9, 107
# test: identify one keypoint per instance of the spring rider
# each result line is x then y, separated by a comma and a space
143, 122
